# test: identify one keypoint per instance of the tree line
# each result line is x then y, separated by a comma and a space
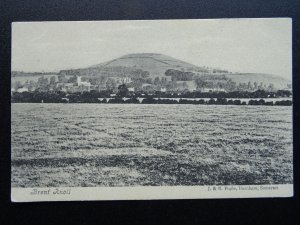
106, 97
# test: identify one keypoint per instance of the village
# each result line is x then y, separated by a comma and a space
166, 84
66, 84
78, 89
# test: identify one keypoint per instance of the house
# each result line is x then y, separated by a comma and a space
84, 85
23, 89
66, 99
78, 80
131, 89
148, 87
186, 85
213, 90
59, 84
68, 85
101, 87
122, 80
126, 80
64, 86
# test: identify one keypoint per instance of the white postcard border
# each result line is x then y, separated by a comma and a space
149, 192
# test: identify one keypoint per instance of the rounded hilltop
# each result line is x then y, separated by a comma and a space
143, 55
159, 57
155, 63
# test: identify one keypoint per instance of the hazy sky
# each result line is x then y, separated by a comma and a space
245, 45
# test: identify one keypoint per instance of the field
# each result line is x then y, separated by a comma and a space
88, 145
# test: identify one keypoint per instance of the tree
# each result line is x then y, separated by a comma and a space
220, 85
178, 75
171, 86
200, 83
170, 72
255, 85
184, 85
43, 83
62, 78
163, 80
137, 83
52, 80
145, 74
123, 90
149, 80
156, 81
271, 86
72, 79
149, 88
249, 86
230, 86
110, 84
32, 85
17, 85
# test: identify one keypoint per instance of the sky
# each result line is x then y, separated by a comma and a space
238, 45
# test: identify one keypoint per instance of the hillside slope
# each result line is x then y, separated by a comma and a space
155, 64
278, 82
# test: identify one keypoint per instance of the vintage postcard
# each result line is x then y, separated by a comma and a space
152, 109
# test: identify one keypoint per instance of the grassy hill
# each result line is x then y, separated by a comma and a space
127, 65
155, 65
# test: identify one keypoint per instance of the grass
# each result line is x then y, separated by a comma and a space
119, 145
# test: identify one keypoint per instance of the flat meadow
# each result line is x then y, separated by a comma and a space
93, 145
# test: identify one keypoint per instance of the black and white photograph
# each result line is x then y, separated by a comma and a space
151, 109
